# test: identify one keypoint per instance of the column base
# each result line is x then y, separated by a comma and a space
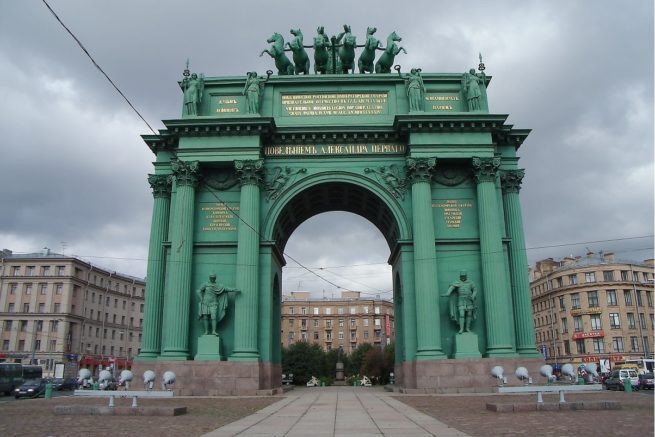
529, 352
500, 351
147, 356
430, 354
244, 355
174, 356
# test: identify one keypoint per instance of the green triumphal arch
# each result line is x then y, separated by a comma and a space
417, 154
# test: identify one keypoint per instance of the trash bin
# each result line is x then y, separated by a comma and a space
48, 391
627, 385
580, 380
96, 386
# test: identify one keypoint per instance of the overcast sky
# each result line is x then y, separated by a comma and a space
73, 165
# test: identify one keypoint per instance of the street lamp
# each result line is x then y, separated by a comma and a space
637, 299
49, 349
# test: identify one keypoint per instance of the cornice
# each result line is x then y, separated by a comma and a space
460, 122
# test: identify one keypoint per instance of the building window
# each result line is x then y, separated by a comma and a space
93, 297
59, 288
646, 347
328, 335
353, 323
15, 271
560, 282
638, 292
615, 321
592, 298
353, 310
328, 324
567, 347
14, 287
42, 308
565, 325
45, 270
37, 345
316, 311
608, 275
21, 345
5, 345
303, 310
340, 310
627, 295
634, 344
11, 307
8, 325
642, 321
116, 303
340, 323
377, 310
23, 325
631, 321
366, 309
590, 277
365, 334
61, 270
624, 275
353, 335
596, 322
617, 344
577, 323
580, 347
290, 322
649, 298
599, 346
290, 310
43, 288
141, 308
28, 288
562, 303
340, 335
26, 307
573, 279
316, 335
377, 323
328, 311
575, 301
315, 323
365, 322
303, 324
611, 298
29, 271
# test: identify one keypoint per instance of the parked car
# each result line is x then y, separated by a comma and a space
32, 388
63, 383
646, 381
615, 380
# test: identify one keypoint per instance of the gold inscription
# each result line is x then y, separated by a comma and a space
453, 211
303, 105
442, 107
219, 217
441, 98
335, 149
227, 105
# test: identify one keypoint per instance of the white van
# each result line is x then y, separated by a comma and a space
615, 381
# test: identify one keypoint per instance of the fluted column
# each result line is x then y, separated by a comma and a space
247, 269
154, 298
497, 299
428, 323
518, 262
177, 294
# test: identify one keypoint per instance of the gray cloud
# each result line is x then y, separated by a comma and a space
580, 74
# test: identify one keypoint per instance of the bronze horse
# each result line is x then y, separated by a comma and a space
365, 62
282, 62
300, 58
383, 65
321, 55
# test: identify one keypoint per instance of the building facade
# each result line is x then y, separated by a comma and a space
335, 323
593, 309
64, 313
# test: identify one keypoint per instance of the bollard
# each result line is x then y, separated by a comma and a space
48, 391
627, 385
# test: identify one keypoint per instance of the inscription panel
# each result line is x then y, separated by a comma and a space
453, 212
335, 149
443, 102
334, 104
217, 217
226, 105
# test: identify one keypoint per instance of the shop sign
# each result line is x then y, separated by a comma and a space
591, 334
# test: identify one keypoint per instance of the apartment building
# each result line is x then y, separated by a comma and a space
593, 308
64, 313
334, 323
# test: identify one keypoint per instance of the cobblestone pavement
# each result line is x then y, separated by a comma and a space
468, 413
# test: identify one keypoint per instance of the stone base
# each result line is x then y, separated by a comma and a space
216, 378
553, 406
468, 375
98, 410
209, 348
466, 346
339, 372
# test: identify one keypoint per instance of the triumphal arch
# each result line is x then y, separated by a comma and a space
418, 154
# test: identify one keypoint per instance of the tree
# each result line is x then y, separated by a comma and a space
356, 358
304, 360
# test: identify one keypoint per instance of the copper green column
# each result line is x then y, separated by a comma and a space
518, 262
247, 269
428, 323
177, 294
154, 298
497, 301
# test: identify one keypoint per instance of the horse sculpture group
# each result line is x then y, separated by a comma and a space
333, 55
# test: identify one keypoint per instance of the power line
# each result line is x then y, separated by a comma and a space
98, 66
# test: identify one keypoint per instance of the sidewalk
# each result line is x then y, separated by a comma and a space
337, 411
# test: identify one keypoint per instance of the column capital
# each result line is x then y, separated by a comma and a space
160, 184
250, 172
186, 173
420, 169
511, 180
485, 169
